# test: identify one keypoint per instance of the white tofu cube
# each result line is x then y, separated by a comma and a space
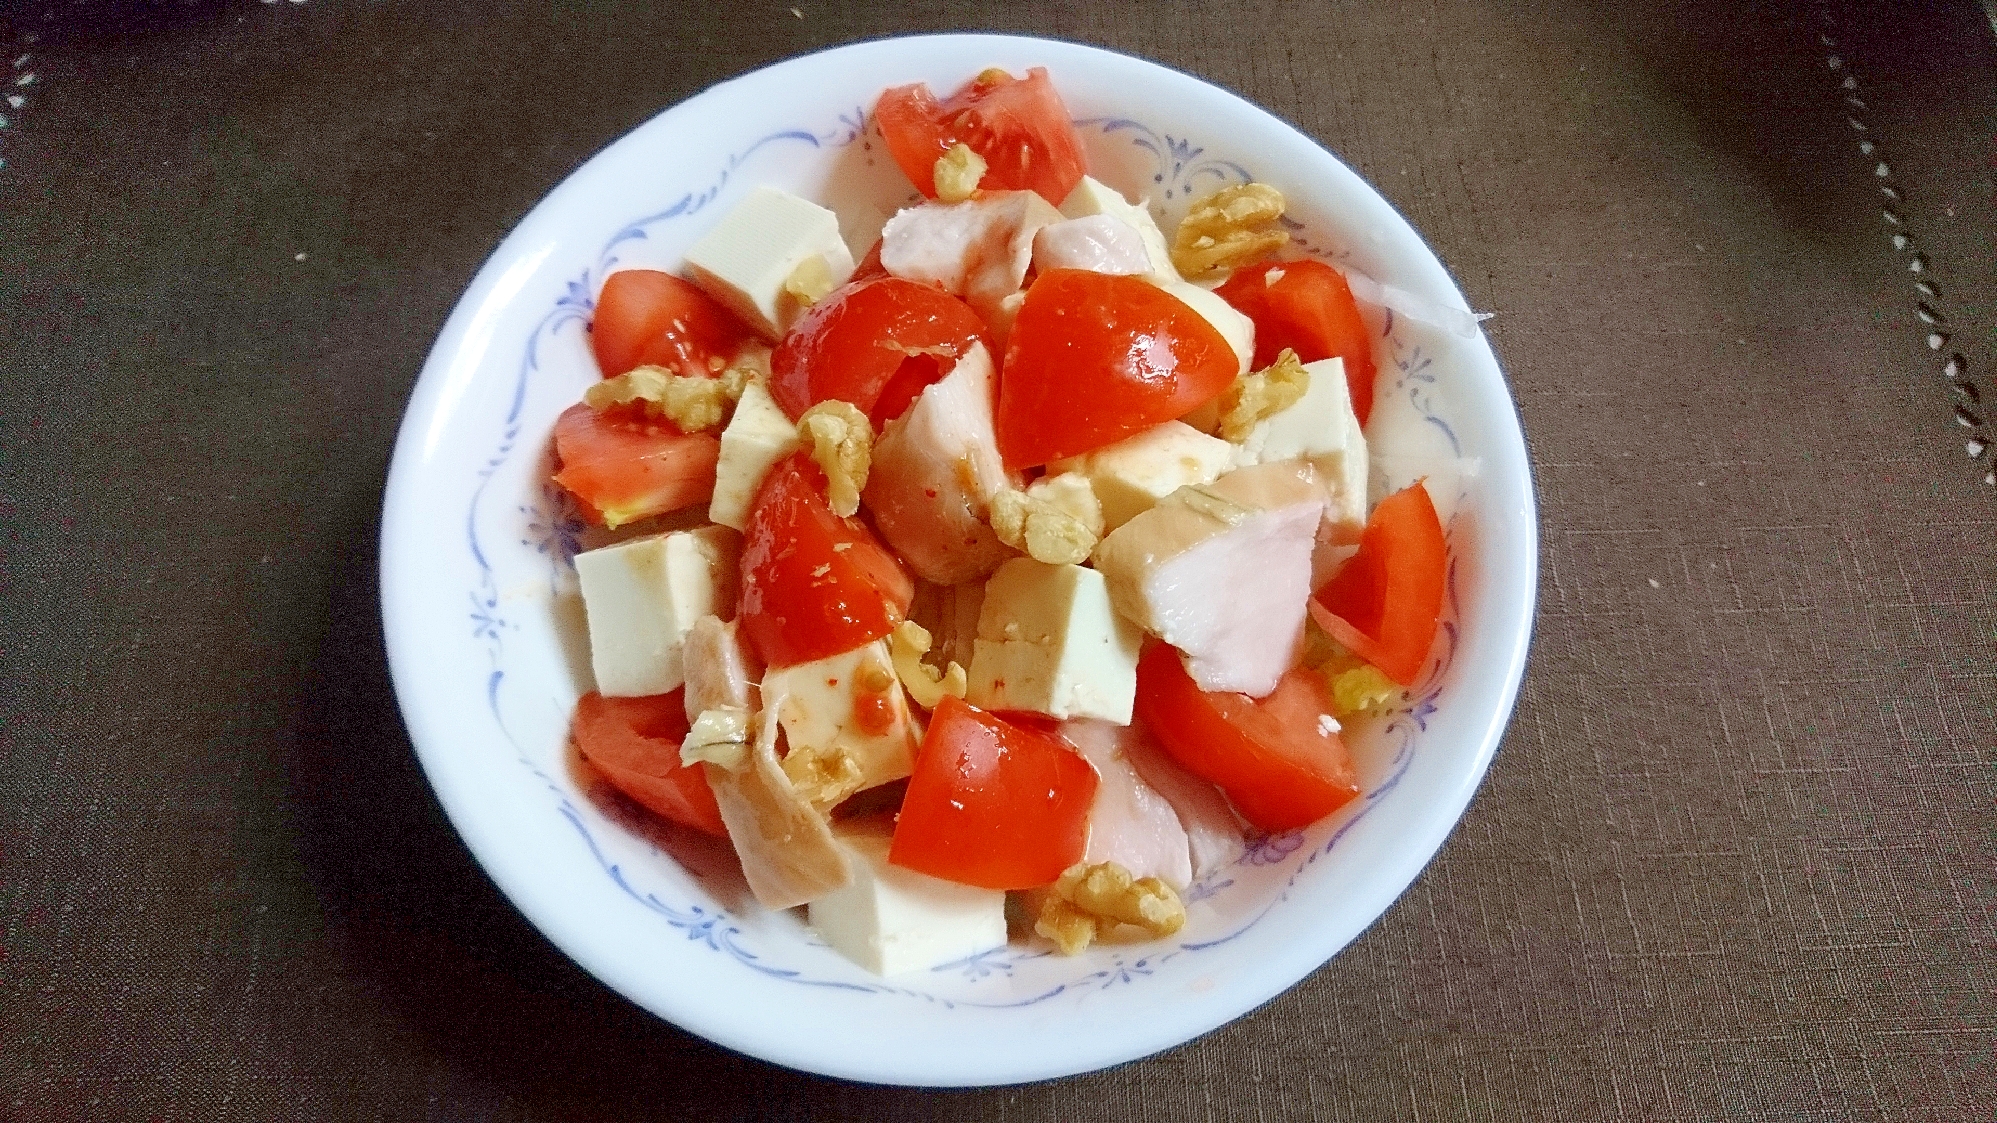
641, 598
1049, 642
1236, 328
892, 921
1321, 430
1133, 474
833, 752
1092, 197
759, 435
744, 261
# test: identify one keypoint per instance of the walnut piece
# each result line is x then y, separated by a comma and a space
823, 774
926, 685
957, 174
719, 736
693, 403
1228, 229
1057, 521
1262, 394
1098, 902
810, 281
841, 440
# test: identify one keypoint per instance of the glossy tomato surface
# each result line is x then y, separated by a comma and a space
993, 803
876, 343
1274, 757
1018, 125
1385, 603
635, 743
622, 466
813, 584
1307, 307
1093, 358
648, 318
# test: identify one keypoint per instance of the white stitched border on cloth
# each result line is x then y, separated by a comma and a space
1929, 308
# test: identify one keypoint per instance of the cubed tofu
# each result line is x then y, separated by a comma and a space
978, 249
1092, 197
642, 596
1049, 642
1321, 430
759, 435
745, 259
892, 921
1237, 329
1139, 470
1222, 572
846, 720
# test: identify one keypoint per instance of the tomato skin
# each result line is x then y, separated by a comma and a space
1093, 358
1385, 603
813, 584
877, 344
648, 318
1310, 310
635, 743
623, 467
1280, 769
993, 803
1019, 126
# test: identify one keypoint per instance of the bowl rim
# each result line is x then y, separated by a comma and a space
477, 831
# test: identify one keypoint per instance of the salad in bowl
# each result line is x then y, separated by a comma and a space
961, 580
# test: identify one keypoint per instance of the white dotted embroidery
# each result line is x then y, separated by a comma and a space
1967, 396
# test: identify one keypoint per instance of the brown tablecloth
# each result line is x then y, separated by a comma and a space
1734, 861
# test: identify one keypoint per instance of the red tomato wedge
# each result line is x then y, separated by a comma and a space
1272, 757
813, 584
648, 318
1385, 602
1309, 309
635, 743
876, 344
625, 467
993, 803
1093, 358
1018, 125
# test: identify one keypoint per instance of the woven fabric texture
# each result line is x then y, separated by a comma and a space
1737, 858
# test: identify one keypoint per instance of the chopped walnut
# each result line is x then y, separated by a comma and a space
1057, 521
824, 774
957, 174
1356, 690
1228, 229
691, 403
810, 281
719, 736
1096, 902
842, 441
1262, 394
926, 686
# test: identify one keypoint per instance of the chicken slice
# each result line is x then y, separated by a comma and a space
978, 249
1130, 822
785, 844
1099, 243
1222, 572
935, 470
1214, 837
721, 673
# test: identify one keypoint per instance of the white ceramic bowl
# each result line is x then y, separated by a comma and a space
480, 611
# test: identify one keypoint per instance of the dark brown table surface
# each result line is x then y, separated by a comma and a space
1737, 858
